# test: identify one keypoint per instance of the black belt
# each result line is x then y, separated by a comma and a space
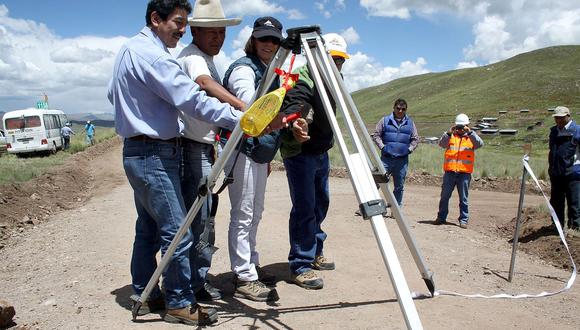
145, 138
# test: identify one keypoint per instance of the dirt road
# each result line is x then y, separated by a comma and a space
72, 271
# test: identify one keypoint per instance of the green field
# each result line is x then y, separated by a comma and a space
14, 169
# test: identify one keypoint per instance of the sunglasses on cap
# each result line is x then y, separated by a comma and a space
338, 60
273, 40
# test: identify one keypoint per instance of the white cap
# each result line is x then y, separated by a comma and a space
561, 112
335, 44
461, 119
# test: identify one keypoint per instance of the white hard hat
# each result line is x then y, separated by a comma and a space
461, 119
336, 45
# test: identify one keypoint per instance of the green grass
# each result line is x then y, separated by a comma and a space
14, 169
536, 80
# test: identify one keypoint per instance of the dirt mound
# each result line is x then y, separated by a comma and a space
61, 188
508, 185
538, 236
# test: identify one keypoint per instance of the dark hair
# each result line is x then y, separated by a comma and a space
164, 8
400, 102
250, 48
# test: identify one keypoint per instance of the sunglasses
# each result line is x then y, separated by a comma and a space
273, 40
338, 60
460, 126
401, 108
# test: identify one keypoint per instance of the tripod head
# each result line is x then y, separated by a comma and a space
292, 42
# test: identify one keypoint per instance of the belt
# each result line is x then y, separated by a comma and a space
147, 139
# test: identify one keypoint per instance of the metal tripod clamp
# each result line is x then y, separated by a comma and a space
293, 42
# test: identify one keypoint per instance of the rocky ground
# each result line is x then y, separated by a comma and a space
65, 242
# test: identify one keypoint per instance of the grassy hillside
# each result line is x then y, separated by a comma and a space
536, 80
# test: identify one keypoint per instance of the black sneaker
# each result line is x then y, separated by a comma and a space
439, 222
150, 306
265, 277
208, 293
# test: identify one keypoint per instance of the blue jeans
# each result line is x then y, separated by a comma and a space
397, 168
450, 181
308, 182
152, 169
197, 162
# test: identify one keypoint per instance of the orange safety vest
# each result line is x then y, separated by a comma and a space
460, 155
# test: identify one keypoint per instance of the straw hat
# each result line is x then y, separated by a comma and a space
209, 13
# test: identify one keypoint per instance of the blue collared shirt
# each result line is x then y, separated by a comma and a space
148, 87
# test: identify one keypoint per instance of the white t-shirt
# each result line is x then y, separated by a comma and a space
241, 83
197, 63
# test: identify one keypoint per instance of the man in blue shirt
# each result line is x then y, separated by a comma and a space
90, 131
66, 132
147, 90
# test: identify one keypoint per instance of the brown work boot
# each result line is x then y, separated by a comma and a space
192, 315
308, 280
322, 263
255, 290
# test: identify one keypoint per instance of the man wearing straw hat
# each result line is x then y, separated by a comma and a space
208, 29
564, 167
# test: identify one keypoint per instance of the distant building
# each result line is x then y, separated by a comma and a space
489, 131
508, 131
501, 112
524, 110
489, 119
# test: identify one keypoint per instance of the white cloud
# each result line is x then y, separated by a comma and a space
351, 36
74, 72
466, 65
362, 71
500, 28
321, 7
258, 7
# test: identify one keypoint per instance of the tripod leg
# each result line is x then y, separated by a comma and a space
358, 169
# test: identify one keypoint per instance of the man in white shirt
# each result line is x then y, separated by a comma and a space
208, 28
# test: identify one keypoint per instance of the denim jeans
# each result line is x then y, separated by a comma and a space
397, 168
450, 181
152, 169
308, 182
566, 189
197, 162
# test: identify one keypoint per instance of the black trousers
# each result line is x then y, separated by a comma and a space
566, 189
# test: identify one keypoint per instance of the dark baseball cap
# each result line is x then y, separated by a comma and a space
267, 26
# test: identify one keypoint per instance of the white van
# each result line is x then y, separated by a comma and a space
33, 130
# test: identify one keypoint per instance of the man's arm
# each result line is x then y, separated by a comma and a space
444, 140
414, 138
378, 133
166, 79
215, 89
476, 140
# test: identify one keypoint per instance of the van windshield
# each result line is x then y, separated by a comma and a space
23, 122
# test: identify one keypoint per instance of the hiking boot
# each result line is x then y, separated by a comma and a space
265, 277
191, 315
321, 263
308, 280
208, 293
463, 225
150, 306
255, 290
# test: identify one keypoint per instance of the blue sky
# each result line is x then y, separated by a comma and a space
66, 48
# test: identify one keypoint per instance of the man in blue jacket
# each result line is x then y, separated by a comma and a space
564, 167
396, 136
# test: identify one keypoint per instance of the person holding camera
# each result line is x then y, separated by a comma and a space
460, 143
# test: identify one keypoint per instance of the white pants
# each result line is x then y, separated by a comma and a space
247, 201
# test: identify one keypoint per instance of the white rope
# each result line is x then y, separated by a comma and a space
524, 295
